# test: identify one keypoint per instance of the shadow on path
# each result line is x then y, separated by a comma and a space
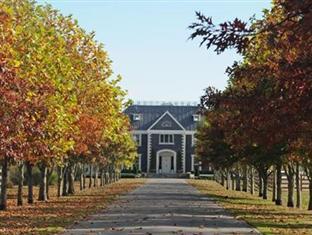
163, 206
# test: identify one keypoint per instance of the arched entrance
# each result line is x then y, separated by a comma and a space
166, 161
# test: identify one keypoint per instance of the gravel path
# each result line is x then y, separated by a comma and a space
162, 206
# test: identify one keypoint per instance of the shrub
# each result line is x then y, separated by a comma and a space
134, 171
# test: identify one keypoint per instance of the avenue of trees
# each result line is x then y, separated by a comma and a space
60, 110
261, 124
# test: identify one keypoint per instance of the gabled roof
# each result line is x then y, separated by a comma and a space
166, 118
150, 114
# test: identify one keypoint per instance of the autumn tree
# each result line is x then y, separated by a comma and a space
56, 83
274, 79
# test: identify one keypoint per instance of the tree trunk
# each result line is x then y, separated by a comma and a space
291, 185
245, 179
84, 179
81, 181
274, 185
228, 179
278, 200
90, 176
233, 181
43, 182
110, 176
95, 181
49, 174
265, 185
71, 179
298, 186
81, 178
252, 181
310, 194
222, 179
102, 178
106, 177
4, 183
260, 185
238, 182
29, 168
60, 177
20, 184
65, 181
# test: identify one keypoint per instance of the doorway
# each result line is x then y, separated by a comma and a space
166, 162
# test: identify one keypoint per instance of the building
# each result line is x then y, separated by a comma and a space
165, 137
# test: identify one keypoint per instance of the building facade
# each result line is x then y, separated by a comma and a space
165, 137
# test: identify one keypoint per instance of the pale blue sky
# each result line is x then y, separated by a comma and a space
147, 41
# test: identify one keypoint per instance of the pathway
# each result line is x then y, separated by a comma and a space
162, 206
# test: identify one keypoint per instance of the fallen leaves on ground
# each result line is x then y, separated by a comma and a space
52, 216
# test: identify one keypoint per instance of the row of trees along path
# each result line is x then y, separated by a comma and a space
261, 123
59, 107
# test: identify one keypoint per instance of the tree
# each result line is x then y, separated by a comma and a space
269, 93
59, 105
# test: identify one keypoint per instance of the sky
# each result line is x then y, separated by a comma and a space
147, 40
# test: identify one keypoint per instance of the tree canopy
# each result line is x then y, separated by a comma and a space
60, 104
265, 111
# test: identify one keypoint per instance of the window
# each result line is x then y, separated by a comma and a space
200, 166
196, 117
166, 139
137, 139
136, 117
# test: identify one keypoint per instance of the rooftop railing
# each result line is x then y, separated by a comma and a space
173, 103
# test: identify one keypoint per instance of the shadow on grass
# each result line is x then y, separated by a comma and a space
262, 214
237, 200
282, 226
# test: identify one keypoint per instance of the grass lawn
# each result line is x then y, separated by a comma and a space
262, 214
56, 214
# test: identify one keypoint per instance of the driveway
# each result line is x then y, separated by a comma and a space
162, 206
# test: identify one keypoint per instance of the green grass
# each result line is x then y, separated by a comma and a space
262, 214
